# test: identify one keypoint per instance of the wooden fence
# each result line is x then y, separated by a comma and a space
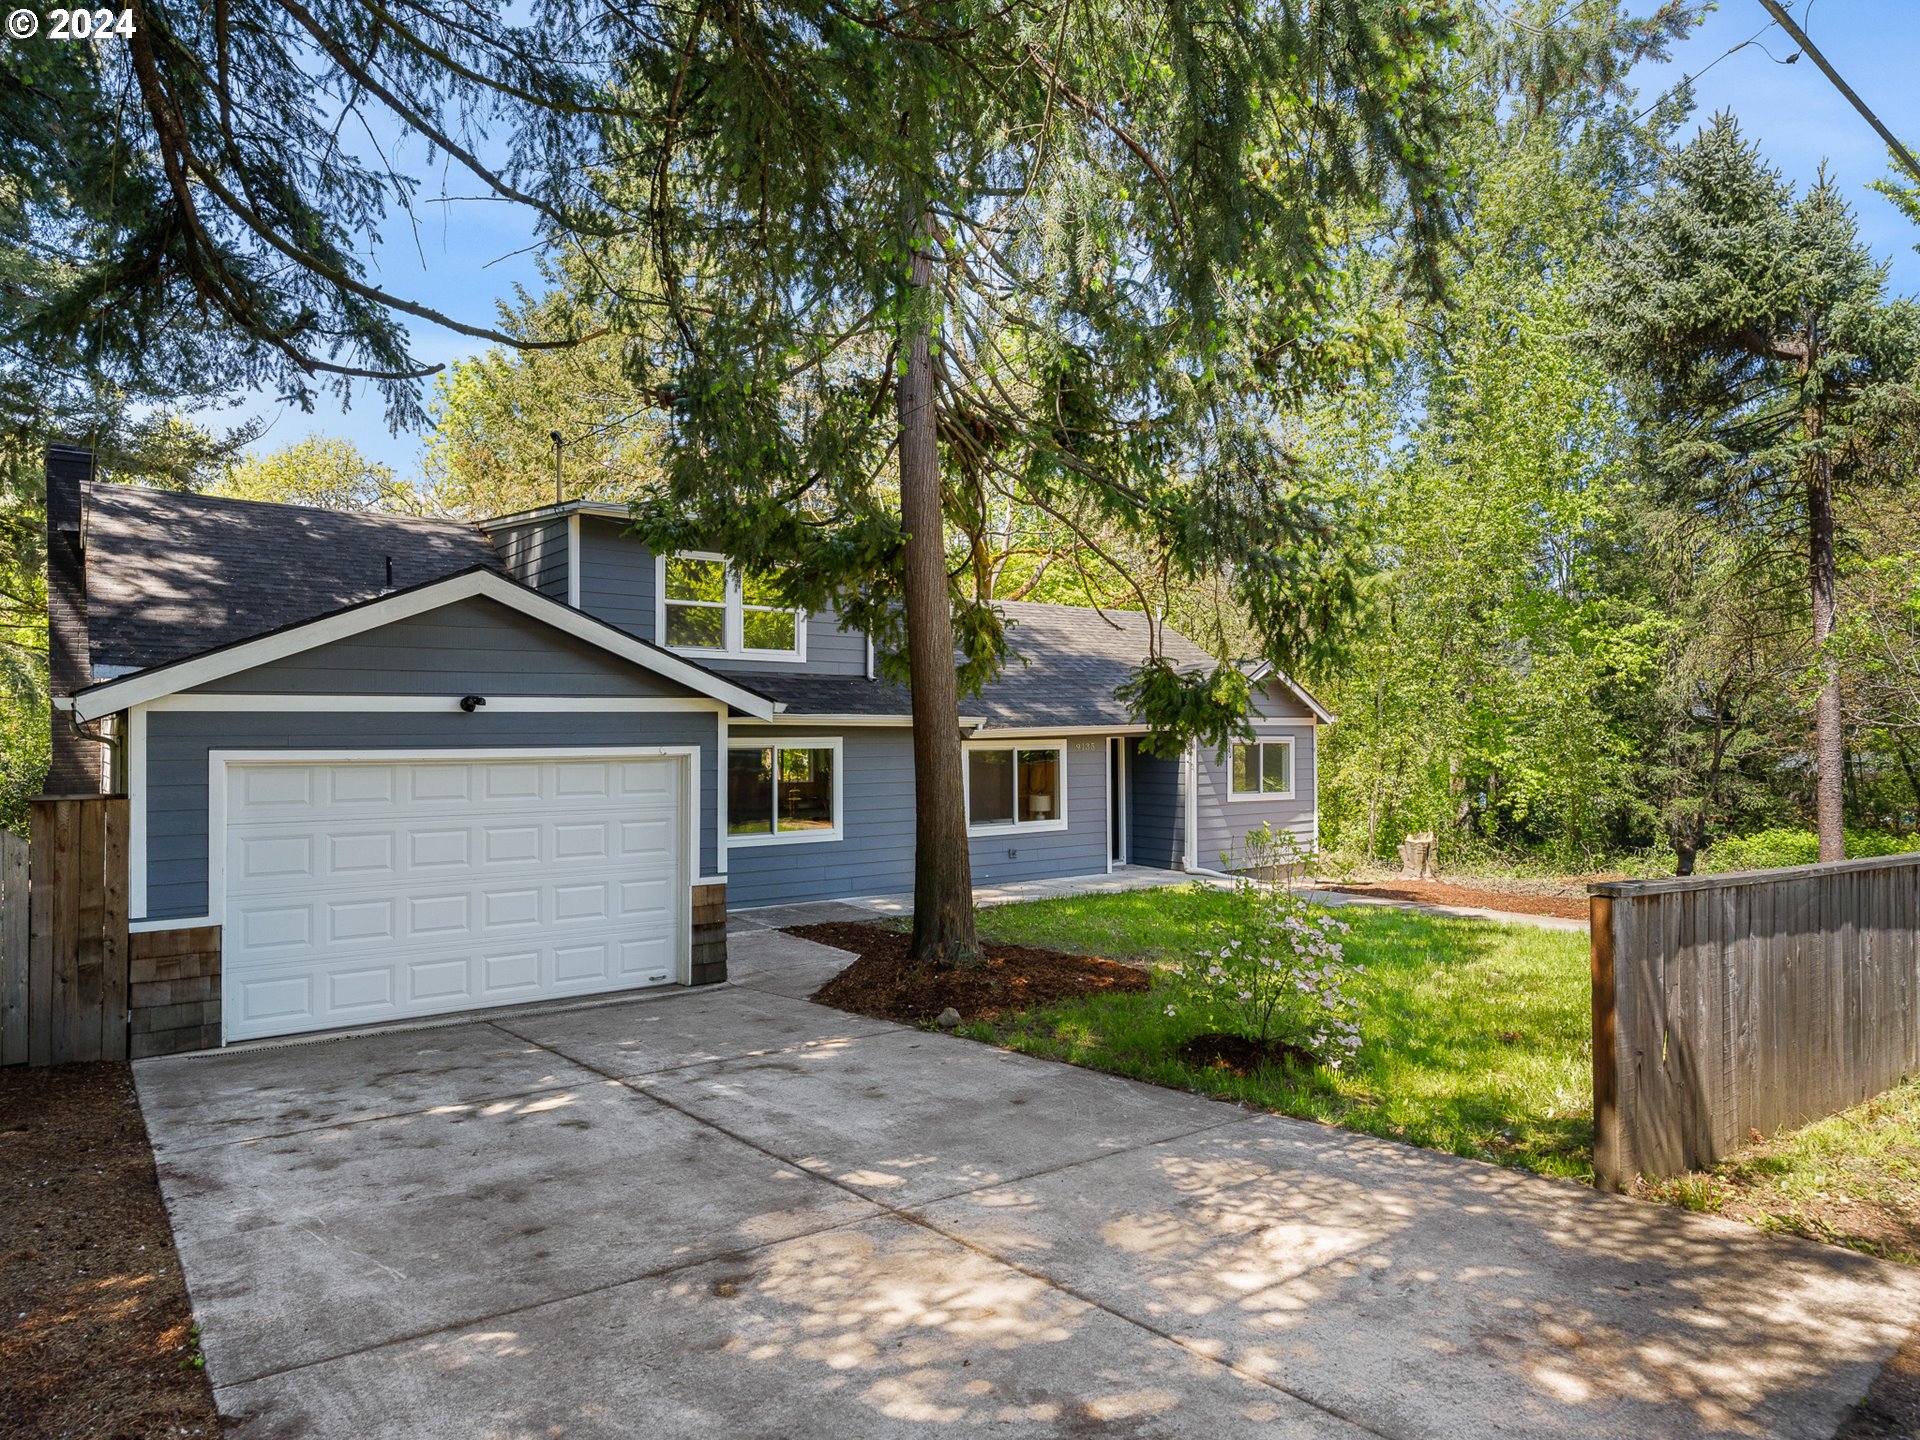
1729, 1004
63, 933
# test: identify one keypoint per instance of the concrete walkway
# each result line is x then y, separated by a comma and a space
1127, 877
867, 907
734, 1213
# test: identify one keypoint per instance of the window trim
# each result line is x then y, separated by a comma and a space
733, 644
792, 837
987, 829
1293, 777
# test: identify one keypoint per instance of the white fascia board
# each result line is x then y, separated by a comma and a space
812, 718
609, 509
990, 731
171, 679
224, 702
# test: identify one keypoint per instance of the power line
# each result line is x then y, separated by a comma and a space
1785, 22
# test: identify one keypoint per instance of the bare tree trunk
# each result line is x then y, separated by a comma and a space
1829, 735
943, 931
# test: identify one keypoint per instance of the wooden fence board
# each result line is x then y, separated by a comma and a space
40, 943
13, 949
65, 902
90, 908
1749, 1002
114, 947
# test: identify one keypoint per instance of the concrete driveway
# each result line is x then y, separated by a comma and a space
734, 1213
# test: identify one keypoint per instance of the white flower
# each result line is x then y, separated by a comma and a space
1170, 1010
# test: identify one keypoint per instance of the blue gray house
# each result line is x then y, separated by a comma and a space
396, 767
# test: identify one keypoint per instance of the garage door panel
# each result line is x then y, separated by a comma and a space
359, 893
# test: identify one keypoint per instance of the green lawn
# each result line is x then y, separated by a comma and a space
1476, 1033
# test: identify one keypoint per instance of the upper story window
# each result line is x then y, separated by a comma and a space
711, 607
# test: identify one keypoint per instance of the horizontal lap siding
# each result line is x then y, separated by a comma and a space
876, 857
178, 744
474, 646
1079, 849
1224, 823
1277, 702
1156, 822
617, 584
536, 555
616, 577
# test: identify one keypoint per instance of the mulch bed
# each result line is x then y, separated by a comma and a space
1436, 892
1241, 1056
97, 1338
883, 983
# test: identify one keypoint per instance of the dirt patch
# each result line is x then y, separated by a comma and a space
1438, 892
1891, 1409
98, 1337
1241, 1056
883, 983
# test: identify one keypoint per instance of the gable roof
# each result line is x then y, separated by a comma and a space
172, 574
244, 654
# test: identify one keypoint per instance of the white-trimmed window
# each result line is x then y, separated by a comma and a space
1262, 770
1016, 787
783, 791
708, 606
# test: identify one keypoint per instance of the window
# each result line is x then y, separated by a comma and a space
709, 606
785, 790
1013, 787
696, 602
765, 624
1263, 770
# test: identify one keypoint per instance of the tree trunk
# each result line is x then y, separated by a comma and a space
1829, 736
943, 931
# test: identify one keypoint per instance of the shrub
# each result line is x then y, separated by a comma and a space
1772, 849
1272, 968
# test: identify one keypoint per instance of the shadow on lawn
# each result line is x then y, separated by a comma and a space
1476, 1034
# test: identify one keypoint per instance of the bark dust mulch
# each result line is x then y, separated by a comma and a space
1240, 1056
1438, 892
96, 1337
884, 984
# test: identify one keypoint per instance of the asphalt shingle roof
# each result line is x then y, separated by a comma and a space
1063, 666
172, 574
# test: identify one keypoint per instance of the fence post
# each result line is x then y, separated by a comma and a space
1609, 1167
13, 949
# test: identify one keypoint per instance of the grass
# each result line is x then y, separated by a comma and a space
1476, 1034
1852, 1179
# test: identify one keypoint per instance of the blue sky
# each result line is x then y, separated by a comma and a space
465, 256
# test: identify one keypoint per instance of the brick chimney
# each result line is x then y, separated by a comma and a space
78, 763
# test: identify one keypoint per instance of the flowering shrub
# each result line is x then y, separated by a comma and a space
1273, 969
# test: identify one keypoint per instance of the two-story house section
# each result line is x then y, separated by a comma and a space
406, 767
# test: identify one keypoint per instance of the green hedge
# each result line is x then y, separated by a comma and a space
1771, 849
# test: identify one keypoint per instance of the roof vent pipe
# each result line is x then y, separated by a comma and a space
387, 589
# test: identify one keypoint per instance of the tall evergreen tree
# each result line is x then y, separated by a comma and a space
1088, 247
1774, 369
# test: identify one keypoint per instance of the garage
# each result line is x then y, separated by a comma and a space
363, 889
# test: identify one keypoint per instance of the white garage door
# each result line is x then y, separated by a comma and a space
361, 892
